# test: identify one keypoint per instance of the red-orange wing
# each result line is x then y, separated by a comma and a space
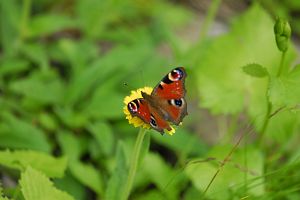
171, 92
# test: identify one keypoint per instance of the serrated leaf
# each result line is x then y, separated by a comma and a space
255, 70
284, 90
20, 160
250, 39
282, 126
117, 180
36, 186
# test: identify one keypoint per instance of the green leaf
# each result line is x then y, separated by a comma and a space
284, 90
71, 145
150, 195
105, 68
16, 133
13, 66
48, 121
20, 160
255, 70
70, 117
163, 176
283, 125
240, 168
70, 185
93, 17
87, 175
46, 24
182, 142
10, 11
100, 108
70, 51
36, 52
117, 180
40, 88
36, 186
103, 134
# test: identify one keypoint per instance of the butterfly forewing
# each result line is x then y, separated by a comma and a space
170, 93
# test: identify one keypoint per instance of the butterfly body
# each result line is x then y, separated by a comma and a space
165, 104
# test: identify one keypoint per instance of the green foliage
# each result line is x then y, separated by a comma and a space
240, 174
284, 90
65, 68
222, 85
35, 185
255, 70
20, 160
16, 133
115, 187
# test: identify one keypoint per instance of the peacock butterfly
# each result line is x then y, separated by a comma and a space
165, 104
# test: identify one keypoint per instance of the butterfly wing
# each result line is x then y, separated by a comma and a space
169, 95
150, 115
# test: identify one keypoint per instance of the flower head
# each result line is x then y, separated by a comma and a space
136, 121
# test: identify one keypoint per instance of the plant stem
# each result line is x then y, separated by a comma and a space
226, 159
134, 163
267, 119
210, 16
270, 106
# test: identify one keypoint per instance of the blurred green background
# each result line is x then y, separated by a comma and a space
66, 66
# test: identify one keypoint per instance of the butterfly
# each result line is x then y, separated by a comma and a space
166, 104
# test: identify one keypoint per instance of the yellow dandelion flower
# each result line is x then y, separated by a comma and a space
136, 121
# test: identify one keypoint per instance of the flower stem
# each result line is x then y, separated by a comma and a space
281, 63
269, 103
210, 16
134, 163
